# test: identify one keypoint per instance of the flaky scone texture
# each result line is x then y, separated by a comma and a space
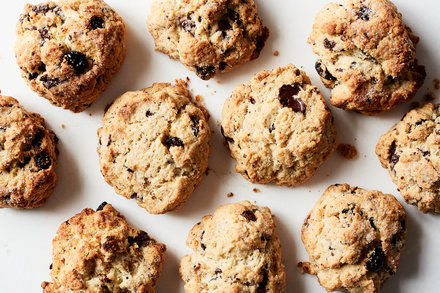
69, 50
278, 127
207, 36
367, 55
154, 146
28, 157
234, 250
354, 237
99, 252
410, 151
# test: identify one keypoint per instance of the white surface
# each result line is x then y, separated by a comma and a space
26, 235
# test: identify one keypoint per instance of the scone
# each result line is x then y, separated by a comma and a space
69, 50
278, 127
154, 146
99, 252
207, 36
367, 55
354, 237
234, 250
28, 157
410, 151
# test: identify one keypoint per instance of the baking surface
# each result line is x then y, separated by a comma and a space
26, 235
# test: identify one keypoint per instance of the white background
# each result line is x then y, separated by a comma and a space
26, 235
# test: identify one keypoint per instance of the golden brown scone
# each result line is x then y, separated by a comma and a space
234, 250
410, 151
207, 36
278, 127
28, 157
367, 55
98, 252
354, 237
154, 146
68, 50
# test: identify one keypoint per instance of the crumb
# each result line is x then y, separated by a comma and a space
310, 190
207, 171
414, 105
63, 126
365, 156
219, 82
428, 97
192, 90
230, 194
436, 83
207, 85
276, 53
347, 151
90, 114
256, 190
187, 79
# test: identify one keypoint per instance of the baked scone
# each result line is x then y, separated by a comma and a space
278, 127
207, 36
354, 237
68, 50
99, 252
154, 146
410, 151
28, 157
234, 250
367, 55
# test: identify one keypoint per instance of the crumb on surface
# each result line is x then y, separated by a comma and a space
63, 126
276, 53
256, 190
230, 194
428, 97
347, 151
90, 114
219, 82
436, 83
187, 79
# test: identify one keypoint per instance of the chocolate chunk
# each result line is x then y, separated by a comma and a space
44, 33
110, 244
233, 15
265, 280
205, 72
224, 25
24, 162
96, 22
252, 100
77, 60
329, 44
375, 261
149, 113
42, 67
218, 271
45, 8
188, 25
272, 128
51, 266
227, 140
33, 75
195, 127
364, 13
286, 98
173, 141
372, 223
43, 161
37, 138
249, 215
222, 65
420, 122
49, 82
203, 246
101, 206
393, 158
142, 239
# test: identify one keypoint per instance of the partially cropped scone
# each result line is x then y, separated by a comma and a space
207, 36
28, 157
68, 50
410, 151
99, 252
154, 146
354, 237
278, 127
367, 55
234, 250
